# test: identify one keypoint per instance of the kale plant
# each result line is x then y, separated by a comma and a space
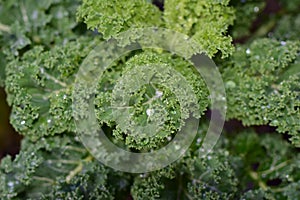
46, 45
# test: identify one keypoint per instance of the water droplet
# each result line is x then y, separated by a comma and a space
275, 122
149, 112
34, 14
198, 140
283, 43
248, 51
65, 96
158, 93
177, 147
256, 9
275, 91
21, 41
169, 138
49, 121
59, 15
10, 184
142, 175
22, 122
230, 84
208, 157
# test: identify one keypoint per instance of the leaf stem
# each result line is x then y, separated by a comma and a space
65, 161
254, 176
272, 169
55, 80
24, 13
43, 179
187, 195
74, 172
78, 149
78, 169
4, 28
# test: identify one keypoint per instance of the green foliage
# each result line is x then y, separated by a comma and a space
42, 47
246, 13
112, 17
205, 21
24, 24
277, 162
287, 28
152, 103
60, 167
55, 167
291, 6
32, 22
2, 69
265, 86
39, 87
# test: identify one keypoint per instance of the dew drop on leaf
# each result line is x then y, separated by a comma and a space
248, 51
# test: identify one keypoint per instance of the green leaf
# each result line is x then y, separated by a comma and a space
260, 88
112, 17
39, 88
205, 21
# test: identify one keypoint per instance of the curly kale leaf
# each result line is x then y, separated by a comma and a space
152, 185
31, 22
112, 17
155, 104
25, 24
39, 88
269, 163
55, 167
205, 21
262, 83
194, 176
246, 166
